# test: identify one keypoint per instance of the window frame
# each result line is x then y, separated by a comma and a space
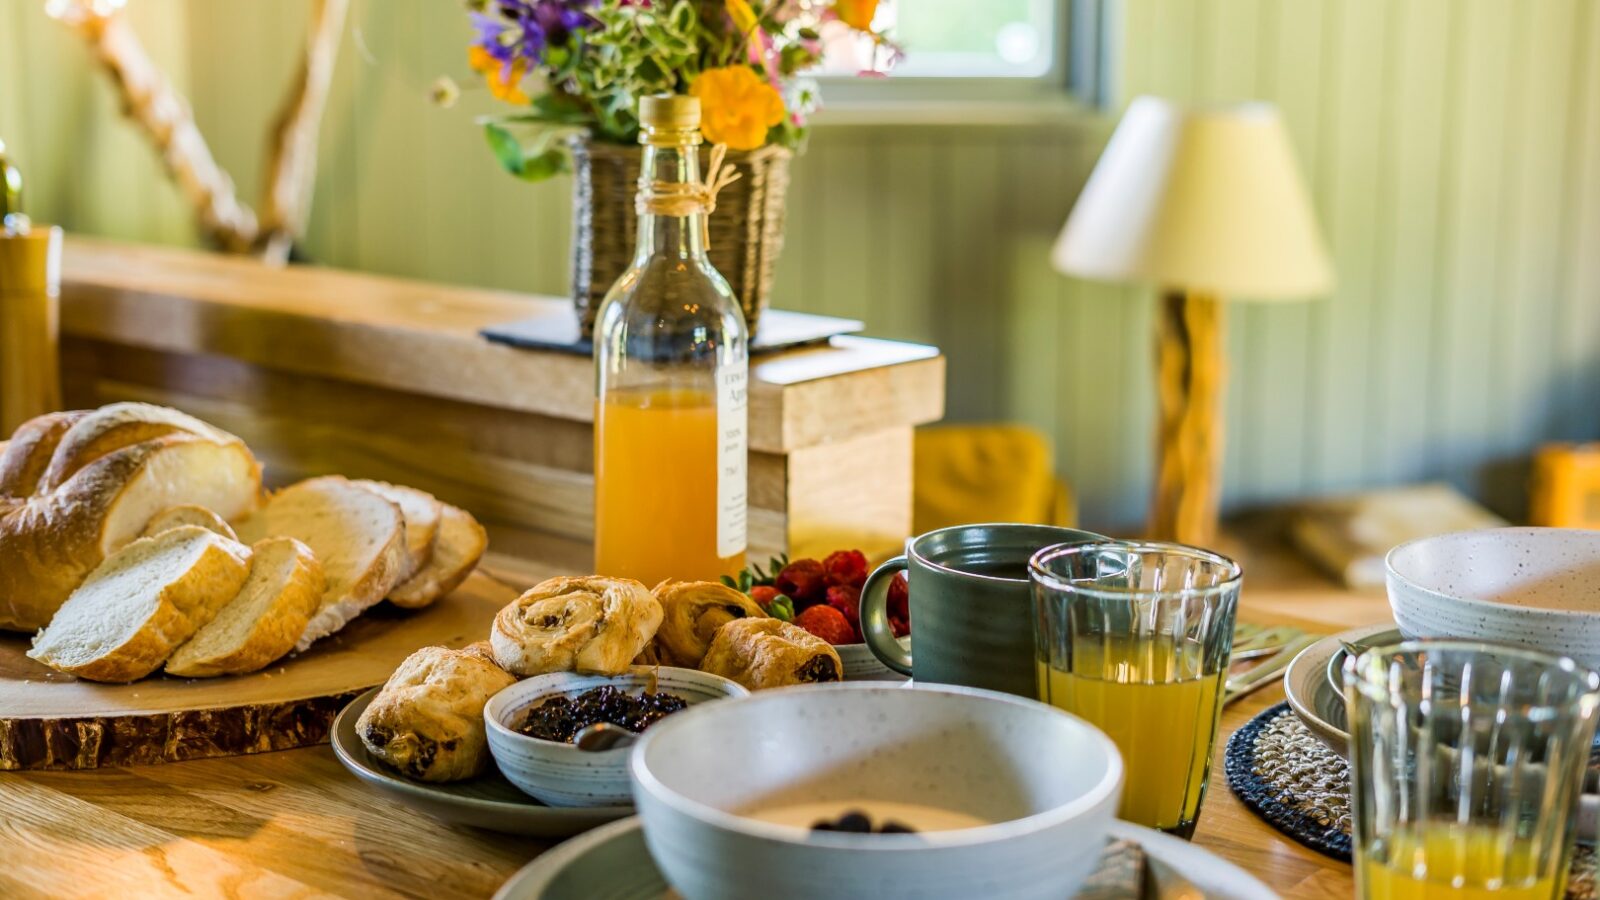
1077, 74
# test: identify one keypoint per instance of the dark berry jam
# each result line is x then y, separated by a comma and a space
561, 718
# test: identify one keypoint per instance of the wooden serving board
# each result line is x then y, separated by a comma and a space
53, 721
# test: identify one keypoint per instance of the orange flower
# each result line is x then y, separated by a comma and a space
858, 14
494, 72
736, 107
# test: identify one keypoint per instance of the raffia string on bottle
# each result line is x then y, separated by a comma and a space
664, 198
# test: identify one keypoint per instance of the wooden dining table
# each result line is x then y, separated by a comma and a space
294, 823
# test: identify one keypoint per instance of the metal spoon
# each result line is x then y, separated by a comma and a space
603, 736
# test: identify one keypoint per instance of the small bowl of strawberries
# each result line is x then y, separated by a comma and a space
824, 597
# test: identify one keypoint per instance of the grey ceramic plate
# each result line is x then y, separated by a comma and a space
1309, 688
487, 802
612, 863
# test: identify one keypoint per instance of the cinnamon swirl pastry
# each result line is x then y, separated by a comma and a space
594, 625
769, 653
692, 611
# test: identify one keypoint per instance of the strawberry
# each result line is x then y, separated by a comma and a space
764, 594
899, 605
827, 623
847, 600
846, 567
804, 581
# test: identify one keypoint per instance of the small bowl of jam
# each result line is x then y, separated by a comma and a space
532, 723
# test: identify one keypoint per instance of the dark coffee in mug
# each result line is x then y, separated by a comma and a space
971, 607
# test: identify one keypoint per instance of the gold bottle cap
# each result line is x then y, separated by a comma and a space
669, 119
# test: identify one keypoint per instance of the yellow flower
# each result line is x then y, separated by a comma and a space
494, 72
736, 107
858, 14
744, 18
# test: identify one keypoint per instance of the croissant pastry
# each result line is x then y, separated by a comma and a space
692, 611
428, 719
594, 625
769, 653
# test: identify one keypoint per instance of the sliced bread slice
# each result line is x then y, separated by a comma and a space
421, 510
264, 621
189, 514
358, 536
141, 603
456, 551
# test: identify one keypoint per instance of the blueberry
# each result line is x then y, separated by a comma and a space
892, 827
855, 822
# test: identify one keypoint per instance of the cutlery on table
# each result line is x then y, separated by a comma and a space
1263, 674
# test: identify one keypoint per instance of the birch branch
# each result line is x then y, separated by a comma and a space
292, 169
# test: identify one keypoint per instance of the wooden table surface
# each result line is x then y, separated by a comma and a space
296, 824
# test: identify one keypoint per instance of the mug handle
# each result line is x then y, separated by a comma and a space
874, 612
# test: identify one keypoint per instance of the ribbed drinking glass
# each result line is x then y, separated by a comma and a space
1467, 760
1134, 637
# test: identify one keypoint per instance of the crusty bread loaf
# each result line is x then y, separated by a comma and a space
456, 551
358, 536
421, 511
114, 426
189, 514
142, 602
27, 454
263, 621
51, 540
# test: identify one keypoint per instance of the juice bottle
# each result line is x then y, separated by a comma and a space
672, 363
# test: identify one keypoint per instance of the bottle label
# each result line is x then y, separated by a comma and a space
732, 457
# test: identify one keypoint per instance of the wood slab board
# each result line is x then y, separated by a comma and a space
53, 721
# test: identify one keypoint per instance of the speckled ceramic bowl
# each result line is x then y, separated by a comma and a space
1534, 586
562, 775
708, 783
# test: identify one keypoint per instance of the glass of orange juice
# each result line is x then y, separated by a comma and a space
1135, 637
1467, 760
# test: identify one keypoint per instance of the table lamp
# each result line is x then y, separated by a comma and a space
1204, 204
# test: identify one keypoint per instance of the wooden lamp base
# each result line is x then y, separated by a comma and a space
1189, 382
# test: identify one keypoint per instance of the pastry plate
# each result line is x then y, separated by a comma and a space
489, 801
612, 863
1308, 683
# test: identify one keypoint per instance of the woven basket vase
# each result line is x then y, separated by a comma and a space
745, 233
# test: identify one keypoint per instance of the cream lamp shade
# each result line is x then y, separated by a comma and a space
1206, 200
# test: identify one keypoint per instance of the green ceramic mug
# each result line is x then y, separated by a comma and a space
971, 606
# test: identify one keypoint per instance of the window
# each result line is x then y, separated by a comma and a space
971, 50
954, 39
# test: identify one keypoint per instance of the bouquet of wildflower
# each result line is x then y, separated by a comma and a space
584, 64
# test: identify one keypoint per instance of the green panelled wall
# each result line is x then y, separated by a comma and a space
1453, 147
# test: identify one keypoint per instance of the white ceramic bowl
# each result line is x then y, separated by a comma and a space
560, 774
1534, 586
1049, 783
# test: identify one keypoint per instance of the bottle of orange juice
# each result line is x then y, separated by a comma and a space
670, 450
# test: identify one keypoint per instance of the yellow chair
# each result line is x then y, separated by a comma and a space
986, 473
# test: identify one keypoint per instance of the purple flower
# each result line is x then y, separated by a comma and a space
522, 29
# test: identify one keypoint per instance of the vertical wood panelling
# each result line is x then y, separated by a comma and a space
1349, 203
1453, 151
1407, 239
1274, 359
1577, 361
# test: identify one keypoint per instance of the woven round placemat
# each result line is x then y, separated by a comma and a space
1284, 774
